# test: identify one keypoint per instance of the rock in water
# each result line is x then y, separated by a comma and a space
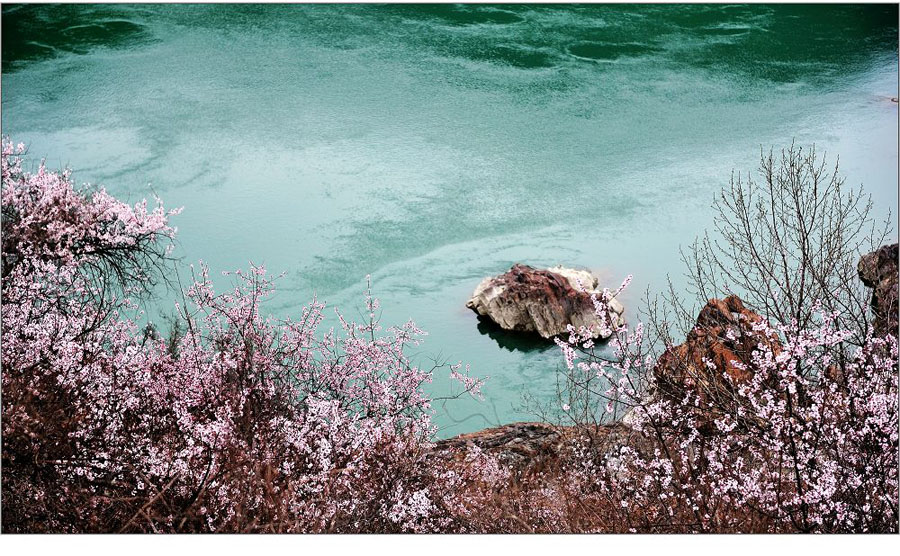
543, 301
878, 270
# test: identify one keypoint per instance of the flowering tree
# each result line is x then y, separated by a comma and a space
782, 420
775, 451
788, 242
240, 422
243, 423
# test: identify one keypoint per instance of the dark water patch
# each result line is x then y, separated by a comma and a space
27, 50
459, 15
511, 340
700, 17
516, 56
723, 31
603, 51
32, 33
104, 33
798, 43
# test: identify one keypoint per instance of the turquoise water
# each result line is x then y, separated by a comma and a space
430, 146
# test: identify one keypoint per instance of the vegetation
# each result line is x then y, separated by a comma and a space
242, 423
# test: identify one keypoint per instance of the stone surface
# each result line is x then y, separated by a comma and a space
723, 336
529, 445
513, 444
541, 301
878, 270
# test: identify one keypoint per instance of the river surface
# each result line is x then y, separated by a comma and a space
430, 146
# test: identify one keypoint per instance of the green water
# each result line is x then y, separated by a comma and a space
430, 146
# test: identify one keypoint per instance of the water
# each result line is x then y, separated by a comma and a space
430, 146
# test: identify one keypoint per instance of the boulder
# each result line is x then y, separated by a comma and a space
543, 301
515, 444
878, 270
532, 445
715, 357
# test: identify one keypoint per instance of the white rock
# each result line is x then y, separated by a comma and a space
543, 301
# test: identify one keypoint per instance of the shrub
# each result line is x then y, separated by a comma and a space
243, 423
798, 430
783, 418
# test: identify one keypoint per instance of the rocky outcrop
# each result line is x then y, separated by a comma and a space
719, 345
529, 445
514, 444
542, 301
878, 270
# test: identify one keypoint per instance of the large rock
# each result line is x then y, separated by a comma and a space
543, 301
516, 444
526, 445
878, 270
719, 345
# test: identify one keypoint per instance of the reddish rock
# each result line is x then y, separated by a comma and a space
723, 337
878, 270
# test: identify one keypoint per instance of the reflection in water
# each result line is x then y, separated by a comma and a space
511, 340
